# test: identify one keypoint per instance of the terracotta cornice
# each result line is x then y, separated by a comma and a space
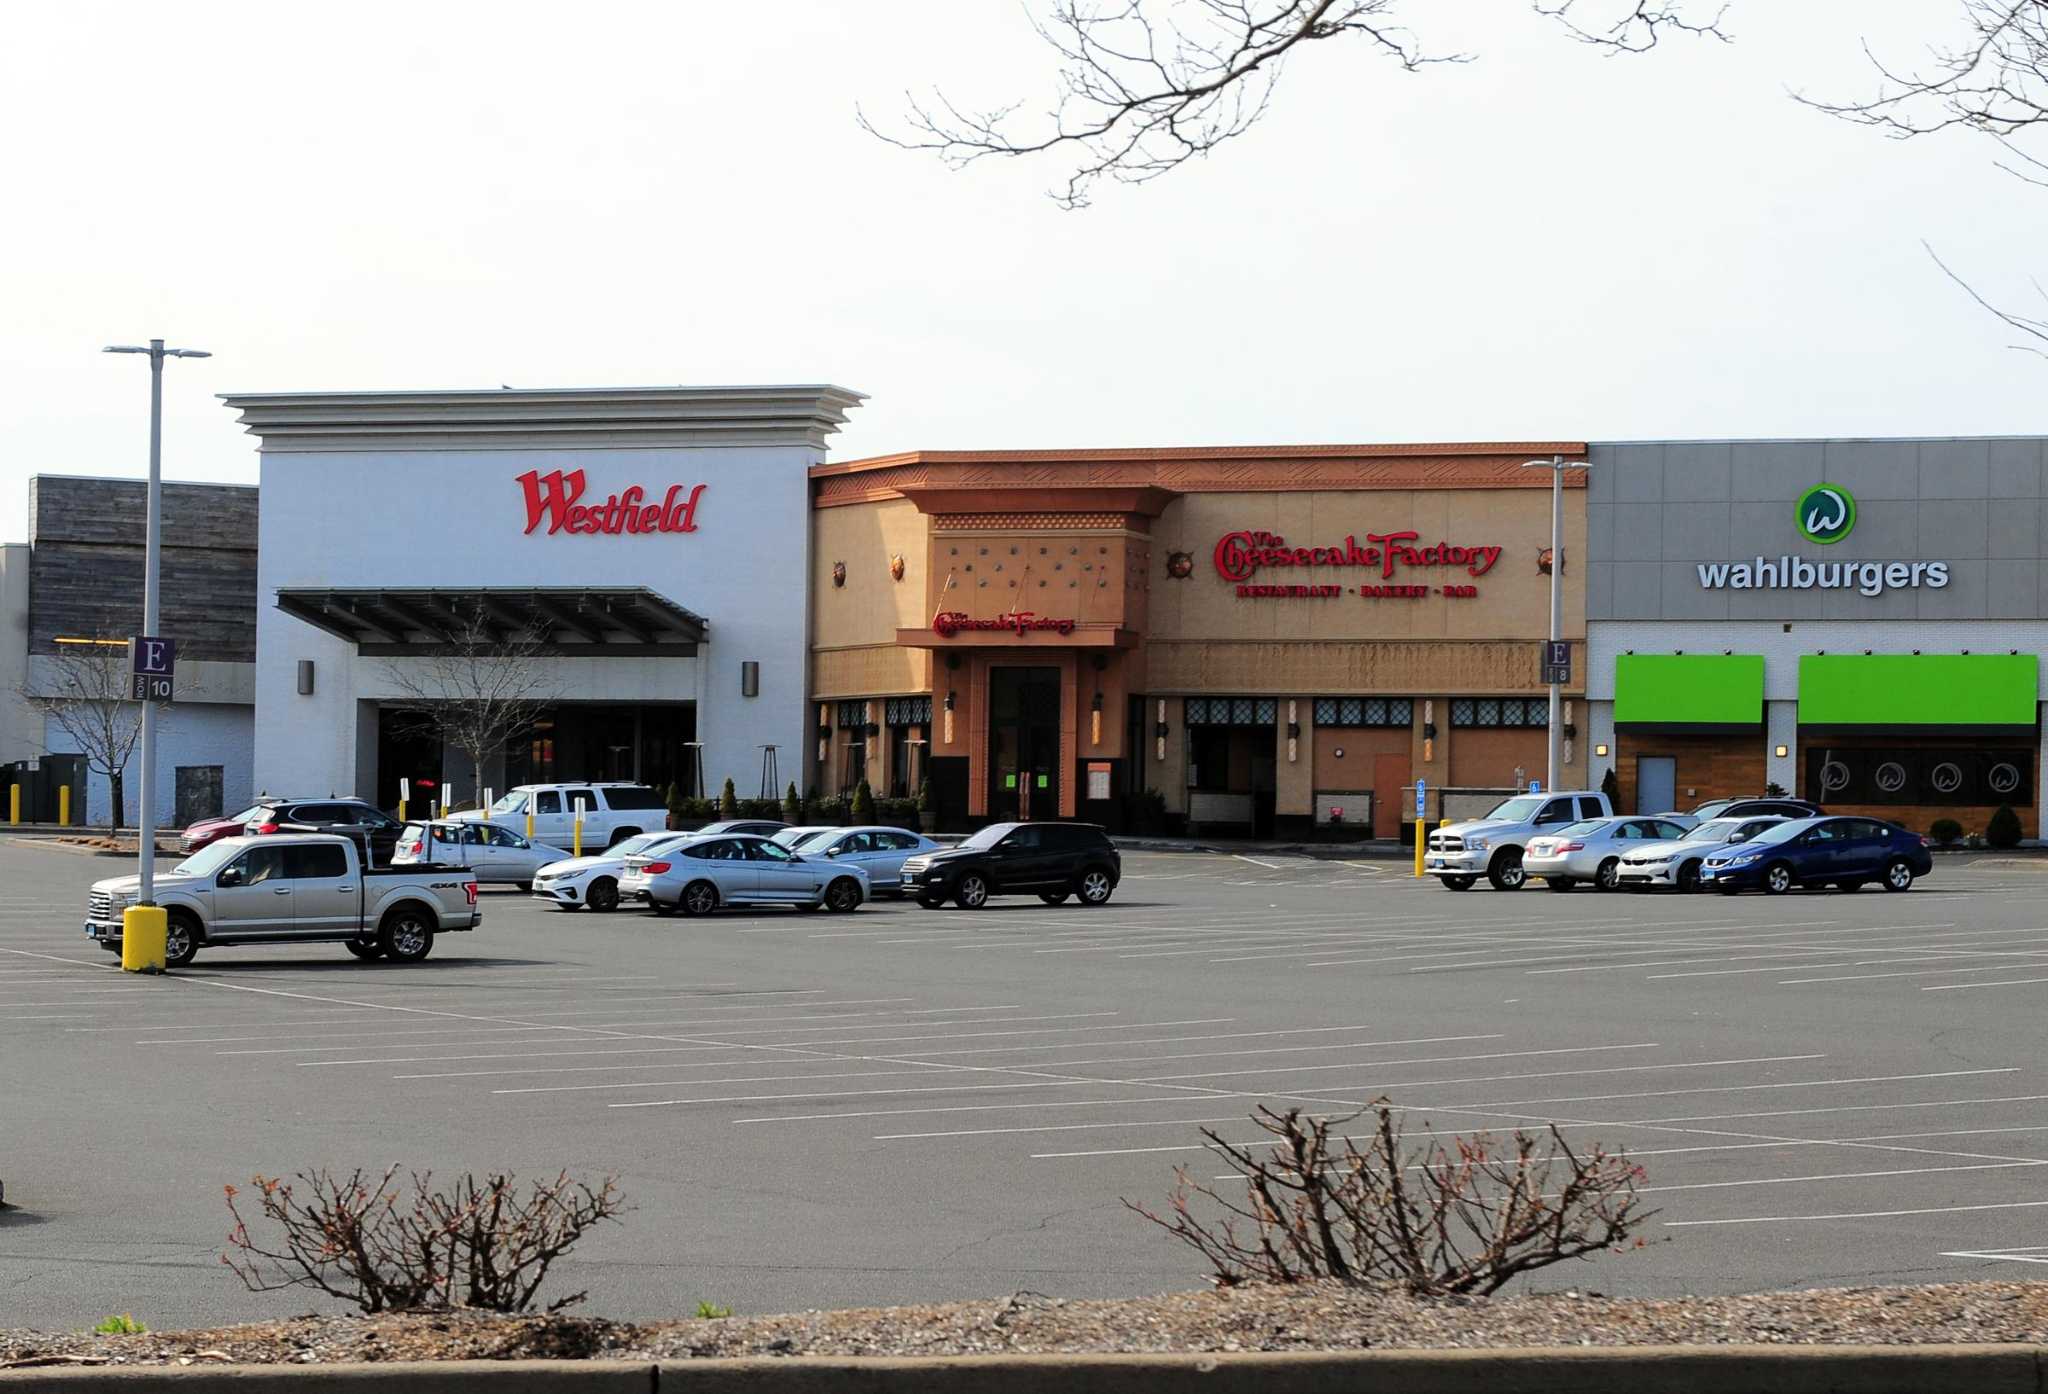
1147, 501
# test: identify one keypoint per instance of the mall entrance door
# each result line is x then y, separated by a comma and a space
1023, 744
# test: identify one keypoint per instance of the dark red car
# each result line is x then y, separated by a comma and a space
208, 831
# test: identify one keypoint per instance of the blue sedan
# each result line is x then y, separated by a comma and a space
1841, 852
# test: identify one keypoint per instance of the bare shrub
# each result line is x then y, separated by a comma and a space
408, 1247
1456, 1215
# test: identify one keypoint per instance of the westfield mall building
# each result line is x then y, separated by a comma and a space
1266, 638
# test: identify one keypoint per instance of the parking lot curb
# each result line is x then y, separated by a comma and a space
1986, 1369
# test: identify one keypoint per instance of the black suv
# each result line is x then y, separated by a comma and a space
369, 827
1767, 807
1050, 860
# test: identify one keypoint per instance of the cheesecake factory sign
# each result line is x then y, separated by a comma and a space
1396, 566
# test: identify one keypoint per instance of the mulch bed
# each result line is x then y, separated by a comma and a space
1308, 1317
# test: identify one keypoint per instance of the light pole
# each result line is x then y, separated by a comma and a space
1557, 465
145, 823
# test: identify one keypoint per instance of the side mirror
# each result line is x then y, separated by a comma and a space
230, 877
833, 851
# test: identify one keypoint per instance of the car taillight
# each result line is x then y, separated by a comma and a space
1926, 841
266, 827
469, 889
655, 868
1571, 846
413, 848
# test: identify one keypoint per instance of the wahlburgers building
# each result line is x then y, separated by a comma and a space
1855, 622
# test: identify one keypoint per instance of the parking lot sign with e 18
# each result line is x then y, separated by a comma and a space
153, 666
1557, 661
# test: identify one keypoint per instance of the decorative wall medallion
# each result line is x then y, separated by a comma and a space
896, 566
1543, 562
838, 573
1180, 565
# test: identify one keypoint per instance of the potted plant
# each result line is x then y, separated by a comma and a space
728, 802
927, 817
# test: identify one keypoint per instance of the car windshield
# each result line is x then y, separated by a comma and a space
246, 814
989, 836
815, 837
208, 860
1715, 831
1785, 831
1713, 806
1519, 810
511, 803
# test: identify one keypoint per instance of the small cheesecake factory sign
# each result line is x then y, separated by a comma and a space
1398, 566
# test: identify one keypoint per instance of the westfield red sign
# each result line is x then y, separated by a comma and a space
1240, 555
555, 498
947, 623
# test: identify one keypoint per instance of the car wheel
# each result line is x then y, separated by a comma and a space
931, 902
1689, 877
603, 895
1053, 897
181, 940
1898, 876
1777, 878
972, 893
1608, 876
1560, 883
1457, 883
364, 949
1096, 888
1506, 873
699, 898
842, 896
406, 936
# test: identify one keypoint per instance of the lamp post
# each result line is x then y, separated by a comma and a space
145, 823
1557, 465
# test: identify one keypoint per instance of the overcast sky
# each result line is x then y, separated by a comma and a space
1543, 244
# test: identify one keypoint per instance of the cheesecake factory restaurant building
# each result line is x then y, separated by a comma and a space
1266, 637
1858, 622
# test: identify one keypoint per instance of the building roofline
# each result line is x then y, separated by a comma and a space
1202, 453
587, 418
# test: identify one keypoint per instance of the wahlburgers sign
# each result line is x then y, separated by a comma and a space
1824, 514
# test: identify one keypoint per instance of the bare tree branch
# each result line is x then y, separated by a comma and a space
1995, 81
1147, 85
87, 695
483, 686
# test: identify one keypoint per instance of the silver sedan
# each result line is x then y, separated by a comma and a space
1593, 850
705, 873
1678, 863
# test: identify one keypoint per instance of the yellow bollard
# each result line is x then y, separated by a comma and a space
143, 928
401, 810
1421, 842
579, 835
14, 803
64, 805
529, 825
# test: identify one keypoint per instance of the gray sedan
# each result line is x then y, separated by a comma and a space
879, 851
1592, 850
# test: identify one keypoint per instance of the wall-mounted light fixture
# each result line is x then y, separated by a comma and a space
1600, 751
1428, 732
1784, 752
1095, 720
1570, 733
305, 677
1293, 729
750, 678
1159, 733
824, 733
949, 717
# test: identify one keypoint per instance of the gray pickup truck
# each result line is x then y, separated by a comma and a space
294, 888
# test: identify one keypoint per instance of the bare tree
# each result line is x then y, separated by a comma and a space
485, 684
1995, 83
87, 694
1147, 85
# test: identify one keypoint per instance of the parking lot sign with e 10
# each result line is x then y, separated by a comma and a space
153, 665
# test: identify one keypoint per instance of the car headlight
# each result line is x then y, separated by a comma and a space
1477, 844
568, 875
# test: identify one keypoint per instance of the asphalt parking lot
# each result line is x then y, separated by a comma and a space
902, 1105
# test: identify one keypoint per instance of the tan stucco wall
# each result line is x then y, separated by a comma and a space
1096, 577
1513, 599
853, 627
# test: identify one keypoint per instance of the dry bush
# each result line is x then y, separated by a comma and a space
1457, 1215
479, 1244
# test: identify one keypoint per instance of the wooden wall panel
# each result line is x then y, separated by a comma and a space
1709, 767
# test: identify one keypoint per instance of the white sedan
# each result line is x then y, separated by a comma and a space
496, 854
593, 881
706, 873
1678, 863
1592, 850
879, 851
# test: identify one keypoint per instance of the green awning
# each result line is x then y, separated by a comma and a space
1689, 692
1975, 691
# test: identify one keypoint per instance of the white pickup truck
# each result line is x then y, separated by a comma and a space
1492, 846
293, 888
612, 812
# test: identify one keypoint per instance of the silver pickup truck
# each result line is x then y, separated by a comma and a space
294, 888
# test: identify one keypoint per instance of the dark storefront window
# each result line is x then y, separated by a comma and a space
1364, 711
1928, 778
1493, 713
904, 717
1232, 711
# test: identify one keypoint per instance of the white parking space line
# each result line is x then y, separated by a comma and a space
1964, 987
1855, 1214
2031, 1254
1270, 866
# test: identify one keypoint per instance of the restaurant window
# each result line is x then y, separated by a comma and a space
1495, 713
904, 717
1364, 711
1232, 711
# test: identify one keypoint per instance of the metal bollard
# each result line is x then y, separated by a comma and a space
1421, 842
64, 805
529, 825
14, 803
